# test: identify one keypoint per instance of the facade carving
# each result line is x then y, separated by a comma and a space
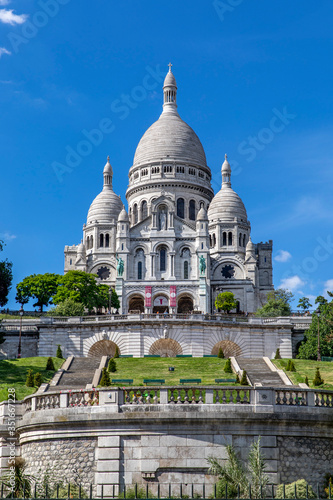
174, 222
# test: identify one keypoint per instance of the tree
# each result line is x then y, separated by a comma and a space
67, 308
6, 278
82, 288
309, 347
317, 380
243, 380
41, 287
220, 354
304, 304
38, 380
105, 379
227, 367
278, 304
277, 354
23, 482
114, 299
30, 379
49, 364
225, 301
112, 366
59, 352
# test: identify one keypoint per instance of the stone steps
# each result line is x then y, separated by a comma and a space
80, 373
259, 373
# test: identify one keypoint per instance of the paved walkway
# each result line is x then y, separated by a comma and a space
259, 373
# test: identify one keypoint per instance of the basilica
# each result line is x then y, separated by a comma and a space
177, 246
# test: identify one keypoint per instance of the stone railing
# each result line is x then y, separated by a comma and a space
123, 399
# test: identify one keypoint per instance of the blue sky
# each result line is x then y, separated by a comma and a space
254, 81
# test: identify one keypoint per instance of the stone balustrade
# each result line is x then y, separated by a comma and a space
129, 398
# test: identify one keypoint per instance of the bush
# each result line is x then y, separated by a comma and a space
38, 379
237, 379
328, 485
243, 380
105, 379
30, 379
112, 366
59, 352
139, 493
301, 487
116, 355
50, 364
317, 380
306, 381
74, 491
277, 354
292, 367
227, 367
220, 354
67, 308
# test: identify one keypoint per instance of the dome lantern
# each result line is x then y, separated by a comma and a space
170, 92
107, 174
226, 172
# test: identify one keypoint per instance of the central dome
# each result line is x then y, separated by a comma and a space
170, 138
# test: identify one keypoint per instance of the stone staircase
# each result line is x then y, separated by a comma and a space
259, 373
80, 373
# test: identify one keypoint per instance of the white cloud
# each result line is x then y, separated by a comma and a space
4, 51
7, 236
282, 256
292, 283
4, 2
328, 287
8, 17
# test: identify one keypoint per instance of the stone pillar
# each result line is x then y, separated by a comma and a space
107, 464
119, 290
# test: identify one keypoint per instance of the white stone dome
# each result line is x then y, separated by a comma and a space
168, 139
123, 216
105, 207
226, 205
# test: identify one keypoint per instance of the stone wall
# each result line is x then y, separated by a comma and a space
29, 345
64, 460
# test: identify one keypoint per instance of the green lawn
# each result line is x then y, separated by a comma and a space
306, 368
13, 373
208, 369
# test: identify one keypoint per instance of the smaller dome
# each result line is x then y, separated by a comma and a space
108, 168
226, 169
81, 248
123, 216
226, 205
250, 247
202, 214
105, 207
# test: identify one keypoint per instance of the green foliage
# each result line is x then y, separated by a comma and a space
290, 366
306, 381
49, 364
59, 352
277, 354
38, 379
112, 366
82, 288
74, 491
227, 367
278, 304
136, 492
116, 355
41, 287
23, 481
114, 299
105, 379
317, 380
220, 354
301, 490
308, 348
30, 379
243, 380
225, 301
67, 308
236, 476
328, 485
237, 379
304, 304
6, 278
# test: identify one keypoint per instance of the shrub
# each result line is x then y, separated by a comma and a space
105, 379
116, 355
277, 354
59, 352
227, 367
237, 379
67, 308
328, 485
220, 354
306, 381
243, 380
74, 491
292, 367
112, 366
301, 490
38, 379
50, 364
136, 492
317, 380
30, 379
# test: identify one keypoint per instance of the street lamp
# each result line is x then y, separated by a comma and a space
21, 312
318, 338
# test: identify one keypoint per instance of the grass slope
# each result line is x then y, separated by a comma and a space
307, 368
13, 373
208, 369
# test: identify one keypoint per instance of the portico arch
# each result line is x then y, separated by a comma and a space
103, 348
185, 304
136, 303
228, 347
166, 348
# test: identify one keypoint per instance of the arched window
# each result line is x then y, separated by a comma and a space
181, 208
163, 259
214, 240
139, 270
224, 240
240, 240
185, 270
107, 240
144, 210
91, 241
101, 240
244, 241
135, 214
230, 239
210, 241
191, 210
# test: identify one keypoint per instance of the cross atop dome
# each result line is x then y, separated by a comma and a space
170, 66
